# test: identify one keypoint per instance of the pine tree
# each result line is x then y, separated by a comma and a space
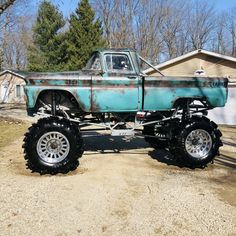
48, 52
84, 36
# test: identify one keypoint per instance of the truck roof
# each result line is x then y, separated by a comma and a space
115, 50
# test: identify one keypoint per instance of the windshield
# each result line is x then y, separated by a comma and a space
94, 62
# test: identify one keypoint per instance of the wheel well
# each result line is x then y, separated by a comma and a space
182, 102
62, 97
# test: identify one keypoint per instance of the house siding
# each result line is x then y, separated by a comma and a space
8, 89
213, 67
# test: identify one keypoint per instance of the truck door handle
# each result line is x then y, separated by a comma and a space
132, 77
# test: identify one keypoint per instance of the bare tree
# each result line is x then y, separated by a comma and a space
230, 28
133, 23
220, 39
158, 29
106, 10
1, 58
6, 4
15, 35
15, 42
172, 30
148, 24
201, 23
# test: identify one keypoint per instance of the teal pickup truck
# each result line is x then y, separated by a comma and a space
112, 93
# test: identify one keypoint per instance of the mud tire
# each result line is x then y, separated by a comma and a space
52, 124
154, 142
178, 147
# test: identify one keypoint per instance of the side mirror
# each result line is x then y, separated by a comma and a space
142, 74
101, 72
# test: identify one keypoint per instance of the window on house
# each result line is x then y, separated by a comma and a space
18, 91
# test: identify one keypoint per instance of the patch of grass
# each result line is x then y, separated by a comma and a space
11, 130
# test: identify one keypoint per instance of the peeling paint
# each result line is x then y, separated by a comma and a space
102, 91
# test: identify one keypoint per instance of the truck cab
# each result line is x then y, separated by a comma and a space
118, 86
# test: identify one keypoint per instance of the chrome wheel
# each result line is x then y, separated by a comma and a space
198, 143
53, 147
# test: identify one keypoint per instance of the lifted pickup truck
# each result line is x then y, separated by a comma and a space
112, 93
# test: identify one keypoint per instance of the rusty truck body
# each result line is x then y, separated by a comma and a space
111, 92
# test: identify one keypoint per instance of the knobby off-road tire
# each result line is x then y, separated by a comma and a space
52, 146
197, 143
154, 142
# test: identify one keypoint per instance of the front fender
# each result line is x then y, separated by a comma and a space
83, 96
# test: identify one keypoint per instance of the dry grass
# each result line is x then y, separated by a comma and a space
11, 130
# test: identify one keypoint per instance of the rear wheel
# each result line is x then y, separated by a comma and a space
53, 146
158, 141
197, 143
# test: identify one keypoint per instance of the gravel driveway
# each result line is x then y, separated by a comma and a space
121, 187
15, 111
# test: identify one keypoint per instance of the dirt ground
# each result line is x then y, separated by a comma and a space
122, 187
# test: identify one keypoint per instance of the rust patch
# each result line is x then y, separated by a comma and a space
186, 82
94, 105
71, 82
44, 82
117, 86
85, 83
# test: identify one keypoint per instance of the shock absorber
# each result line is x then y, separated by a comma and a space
53, 111
186, 110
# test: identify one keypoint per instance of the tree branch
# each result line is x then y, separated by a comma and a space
5, 4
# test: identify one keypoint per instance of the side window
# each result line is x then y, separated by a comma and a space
118, 63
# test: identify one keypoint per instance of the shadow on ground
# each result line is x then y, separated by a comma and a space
226, 160
109, 144
164, 156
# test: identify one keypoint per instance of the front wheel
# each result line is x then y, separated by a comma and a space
197, 143
53, 146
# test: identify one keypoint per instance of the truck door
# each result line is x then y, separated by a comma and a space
116, 90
